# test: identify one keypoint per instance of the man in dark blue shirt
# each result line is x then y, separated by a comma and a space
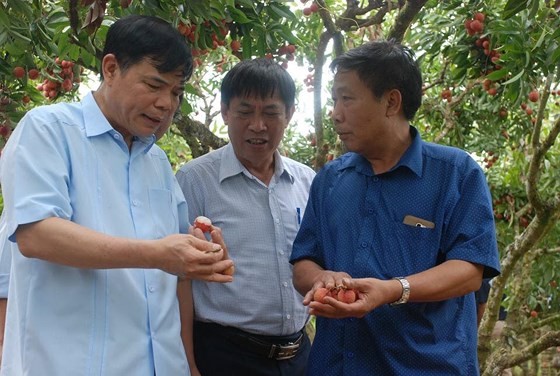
406, 223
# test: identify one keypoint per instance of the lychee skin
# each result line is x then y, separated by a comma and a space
203, 223
229, 271
346, 295
534, 96
320, 294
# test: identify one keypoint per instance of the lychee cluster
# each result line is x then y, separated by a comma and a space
60, 79
313, 8
475, 25
340, 293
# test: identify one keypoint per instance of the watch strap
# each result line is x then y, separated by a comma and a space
405, 291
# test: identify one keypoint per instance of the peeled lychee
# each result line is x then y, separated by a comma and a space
203, 223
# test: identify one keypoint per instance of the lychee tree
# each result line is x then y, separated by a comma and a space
491, 87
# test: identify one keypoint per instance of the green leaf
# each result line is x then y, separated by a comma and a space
514, 78
238, 16
4, 19
513, 7
282, 11
246, 3
555, 56
247, 47
497, 75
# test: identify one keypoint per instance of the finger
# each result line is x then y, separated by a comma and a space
203, 244
197, 233
216, 235
218, 278
308, 297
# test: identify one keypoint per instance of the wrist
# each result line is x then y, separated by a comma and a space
404, 291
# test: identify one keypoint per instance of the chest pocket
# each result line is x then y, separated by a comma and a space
163, 210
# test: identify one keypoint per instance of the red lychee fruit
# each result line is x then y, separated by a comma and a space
320, 293
33, 74
235, 45
229, 271
203, 223
18, 72
534, 96
346, 295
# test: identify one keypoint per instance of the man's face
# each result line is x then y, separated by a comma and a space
360, 119
256, 127
142, 101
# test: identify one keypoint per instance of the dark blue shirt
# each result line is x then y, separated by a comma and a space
354, 223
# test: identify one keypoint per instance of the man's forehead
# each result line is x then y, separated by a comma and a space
250, 101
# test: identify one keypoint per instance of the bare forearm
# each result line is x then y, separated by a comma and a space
305, 275
448, 280
184, 294
64, 242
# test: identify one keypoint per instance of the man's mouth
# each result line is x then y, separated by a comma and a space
153, 119
254, 141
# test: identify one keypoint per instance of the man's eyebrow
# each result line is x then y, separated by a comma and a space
160, 80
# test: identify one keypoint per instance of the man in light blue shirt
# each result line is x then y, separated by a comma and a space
100, 221
5, 264
254, 325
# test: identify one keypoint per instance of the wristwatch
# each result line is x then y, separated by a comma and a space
405, 291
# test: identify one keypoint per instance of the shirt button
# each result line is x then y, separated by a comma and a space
370, 211
375, 179
350, 354
277, 220
116, 136
288, 316
281, 252
134, 203
364, 244
151, 288
285, 284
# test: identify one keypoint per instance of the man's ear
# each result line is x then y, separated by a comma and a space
110, 67
290, 112
394, 102
224, 111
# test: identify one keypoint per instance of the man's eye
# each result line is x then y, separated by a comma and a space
153, 87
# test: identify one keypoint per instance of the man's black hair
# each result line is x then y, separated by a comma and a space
261, 77
135, 38
385, 65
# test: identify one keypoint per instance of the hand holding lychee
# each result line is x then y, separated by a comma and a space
205, 225
340, 293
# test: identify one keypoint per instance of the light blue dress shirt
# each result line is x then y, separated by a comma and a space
65, 160
259, 224
5, 258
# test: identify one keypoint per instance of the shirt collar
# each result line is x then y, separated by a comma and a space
230, 165
411, 159
96, 123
